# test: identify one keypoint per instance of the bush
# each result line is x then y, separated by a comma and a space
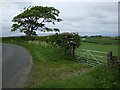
69, 41
65, 39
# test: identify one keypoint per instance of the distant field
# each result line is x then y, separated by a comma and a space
101, 40
90, 56
99, 47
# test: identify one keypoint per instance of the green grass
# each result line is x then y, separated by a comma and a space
85, 80
99, 77
102, 40
99, 47
51, 65
52, 69
96, 47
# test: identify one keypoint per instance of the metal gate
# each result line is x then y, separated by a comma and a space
91, 57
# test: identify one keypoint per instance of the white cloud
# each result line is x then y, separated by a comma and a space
84, 17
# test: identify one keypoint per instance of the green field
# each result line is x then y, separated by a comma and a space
101, 40
52, 69
87, 58
99, 47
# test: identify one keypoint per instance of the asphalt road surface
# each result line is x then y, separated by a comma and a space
16, 65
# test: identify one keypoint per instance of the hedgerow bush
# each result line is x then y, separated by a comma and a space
69, 41
65, 39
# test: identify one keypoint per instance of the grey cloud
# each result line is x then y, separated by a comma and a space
89, 18
95, 13
74, 18
21, 5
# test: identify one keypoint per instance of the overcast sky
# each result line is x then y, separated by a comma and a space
86, 18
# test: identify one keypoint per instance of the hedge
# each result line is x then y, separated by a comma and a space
66, 40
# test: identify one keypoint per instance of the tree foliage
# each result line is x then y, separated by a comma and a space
35, 18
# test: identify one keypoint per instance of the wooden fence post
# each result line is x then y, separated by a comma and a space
70, 51
109, 56
111, 59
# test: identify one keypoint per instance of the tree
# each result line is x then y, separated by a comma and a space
34, 18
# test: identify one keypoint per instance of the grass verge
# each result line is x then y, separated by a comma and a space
52, 69
51, 65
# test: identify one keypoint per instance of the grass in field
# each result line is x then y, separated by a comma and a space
99, 47
101, 40
52, 69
